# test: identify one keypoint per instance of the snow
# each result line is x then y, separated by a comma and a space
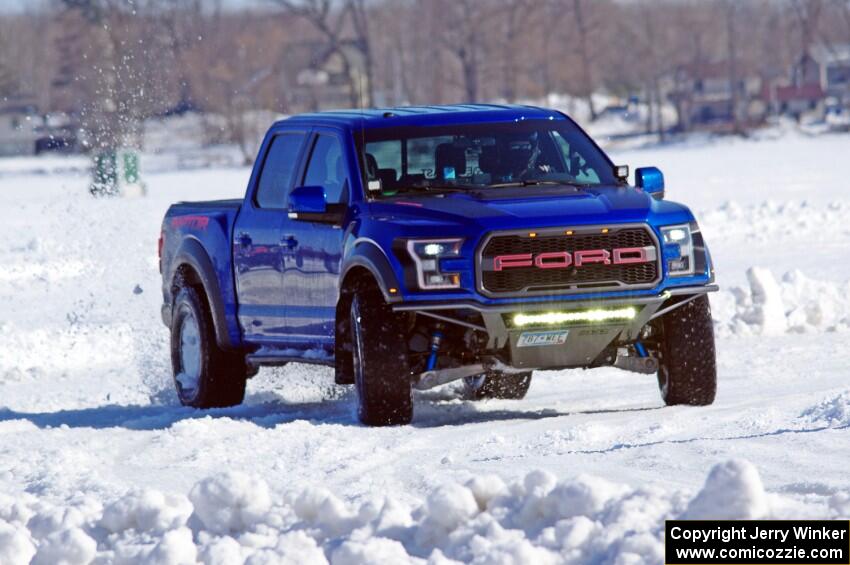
538, 519
230, 502
99, 463
147, 511
66, 547
833, 412
796, 304
767, 310
732, 491
15, 544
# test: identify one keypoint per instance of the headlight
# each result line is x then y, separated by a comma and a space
678, 249
427, 254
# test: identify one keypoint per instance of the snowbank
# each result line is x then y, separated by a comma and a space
234, 518
732, 491
770, 221
796, 304
832, 412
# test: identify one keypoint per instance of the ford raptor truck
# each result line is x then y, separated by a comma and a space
411, 247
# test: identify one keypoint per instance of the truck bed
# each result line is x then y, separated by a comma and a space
200, 234
205, 205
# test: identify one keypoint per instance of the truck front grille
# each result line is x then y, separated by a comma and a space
532, 279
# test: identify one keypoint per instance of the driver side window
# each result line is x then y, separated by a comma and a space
278, 170
327, 168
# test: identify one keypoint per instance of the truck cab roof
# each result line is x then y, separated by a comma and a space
424, 116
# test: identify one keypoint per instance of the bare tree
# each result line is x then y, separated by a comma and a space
233, 73
108, 71
730, 9
844, 9
584, 26
462, 36
807, 14
180, 22
333, 21
359, 14
515, 16
9, 78
118, 62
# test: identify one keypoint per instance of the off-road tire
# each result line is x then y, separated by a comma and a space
687, 372
497, 385
221, 374
380, 363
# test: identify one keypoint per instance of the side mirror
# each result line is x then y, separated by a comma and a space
308, 200
309, 203
651, 181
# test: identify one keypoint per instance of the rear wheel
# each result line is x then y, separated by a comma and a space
344, 366
379, 358
687, 372
205, 376
497, 385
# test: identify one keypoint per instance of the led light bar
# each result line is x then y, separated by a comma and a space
553, 318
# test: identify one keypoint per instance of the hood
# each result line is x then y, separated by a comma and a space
536, 207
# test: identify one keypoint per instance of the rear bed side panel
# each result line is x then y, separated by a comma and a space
199, 235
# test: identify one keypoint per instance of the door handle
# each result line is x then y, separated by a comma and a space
289, 241
244, 239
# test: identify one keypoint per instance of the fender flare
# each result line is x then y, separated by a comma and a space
367, 254
192, 253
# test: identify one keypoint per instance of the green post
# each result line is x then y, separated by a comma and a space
131, 167
117, 172
104, 173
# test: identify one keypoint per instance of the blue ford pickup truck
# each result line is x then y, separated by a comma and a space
411, 247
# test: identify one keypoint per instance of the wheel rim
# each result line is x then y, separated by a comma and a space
663, 381
190, 354
475, 383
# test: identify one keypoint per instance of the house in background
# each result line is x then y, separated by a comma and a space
829, 67
24, 131
19, 121
792, 99
313, 77
819, 82
705, 97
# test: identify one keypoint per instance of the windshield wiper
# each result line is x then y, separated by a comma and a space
438, 187
536, 182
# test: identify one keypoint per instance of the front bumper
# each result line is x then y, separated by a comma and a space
581, 343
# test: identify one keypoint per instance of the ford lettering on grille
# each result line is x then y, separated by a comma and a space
550, 262
563, 259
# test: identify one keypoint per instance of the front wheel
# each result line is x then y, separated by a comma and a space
205, 376
497, 385
687, 372
379, 358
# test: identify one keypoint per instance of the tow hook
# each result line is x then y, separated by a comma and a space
645, 365
430, 379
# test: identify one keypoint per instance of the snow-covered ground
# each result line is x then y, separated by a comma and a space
98, 463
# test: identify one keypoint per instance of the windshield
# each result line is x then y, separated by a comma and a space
475, 157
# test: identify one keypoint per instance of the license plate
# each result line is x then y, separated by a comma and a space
539, 339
